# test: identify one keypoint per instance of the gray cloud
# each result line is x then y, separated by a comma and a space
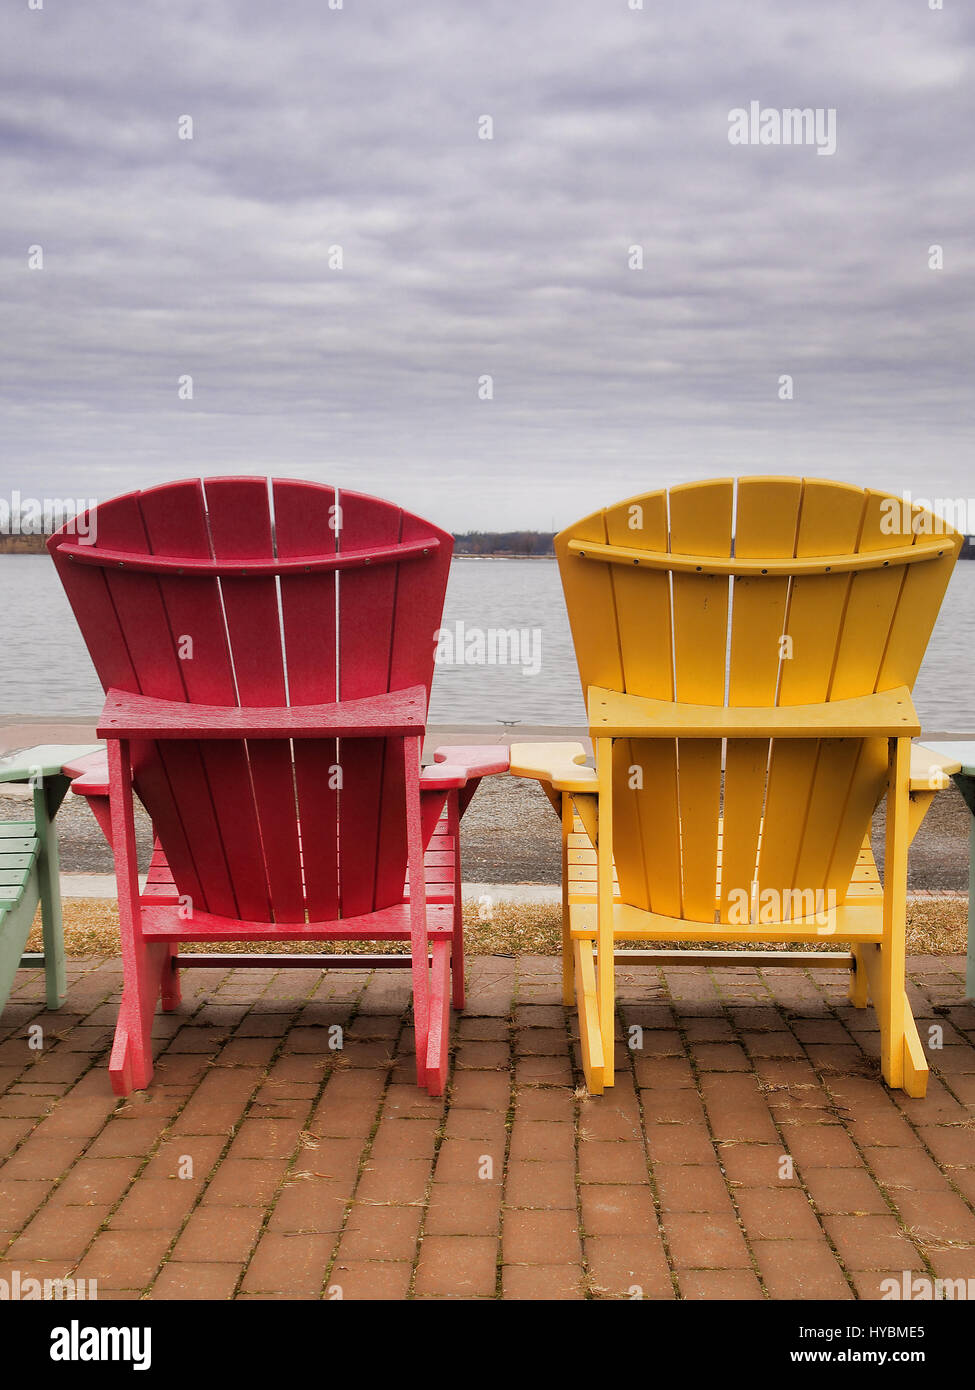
463, 257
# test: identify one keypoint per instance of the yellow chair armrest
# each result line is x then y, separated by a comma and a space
561, 765
930, 771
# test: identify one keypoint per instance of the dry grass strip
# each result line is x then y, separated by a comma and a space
935, 926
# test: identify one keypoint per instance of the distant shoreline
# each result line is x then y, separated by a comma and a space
23, 545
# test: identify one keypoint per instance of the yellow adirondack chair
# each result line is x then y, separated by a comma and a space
747, 650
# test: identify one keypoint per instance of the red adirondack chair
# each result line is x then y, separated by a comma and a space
267, 676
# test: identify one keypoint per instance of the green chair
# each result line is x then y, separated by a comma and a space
29, 864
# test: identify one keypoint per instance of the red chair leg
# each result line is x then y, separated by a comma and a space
170, 988
130, 1065
438, 1038
457, 951
143, 963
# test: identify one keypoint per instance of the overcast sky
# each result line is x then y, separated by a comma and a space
465, 257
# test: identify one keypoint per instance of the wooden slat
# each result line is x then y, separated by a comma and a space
888, 713
629, 833
591, 605
626, 556
829, 799
415, 617
420, 591
766, 526
642, 598
303, 518
746, 767
852, 817
170, 781
366, 605
162, 922
313, 561
366, 598
645, 815
860, 922
88, 593
240, 528
13, 880
829, 523
174, 517
333, 960
660, 821
920, 599
401, 712
700, 523
742, 960
870, 607
872, 603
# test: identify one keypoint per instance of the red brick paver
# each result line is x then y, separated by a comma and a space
748, 1151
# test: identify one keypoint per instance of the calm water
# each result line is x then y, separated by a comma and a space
46, 668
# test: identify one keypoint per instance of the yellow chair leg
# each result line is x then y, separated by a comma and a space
915, 1062
568, 955
859, 990
590, 1038
606, 975
889, 996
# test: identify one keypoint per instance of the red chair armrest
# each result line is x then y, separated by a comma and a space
89, 774
455, 767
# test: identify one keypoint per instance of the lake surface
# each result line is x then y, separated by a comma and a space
46, 668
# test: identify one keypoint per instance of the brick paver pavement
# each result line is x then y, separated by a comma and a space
748, 1150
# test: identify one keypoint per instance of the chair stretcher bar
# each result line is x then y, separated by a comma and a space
759, 960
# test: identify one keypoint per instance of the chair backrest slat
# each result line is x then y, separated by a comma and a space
646, 800
921, 594
173, 778
701, 519
591, 603
175, 521
830, 517
420, 588
240, 529
371, 768
766, 526
305, 521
